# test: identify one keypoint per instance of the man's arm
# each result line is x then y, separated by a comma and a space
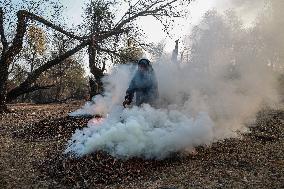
130, 92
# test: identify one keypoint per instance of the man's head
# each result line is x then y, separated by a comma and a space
143, 64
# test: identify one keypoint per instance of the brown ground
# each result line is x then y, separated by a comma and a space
33, 137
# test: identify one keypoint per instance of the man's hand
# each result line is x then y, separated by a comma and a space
128, 100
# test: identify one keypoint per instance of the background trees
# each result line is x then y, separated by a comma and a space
13, 40
103, 32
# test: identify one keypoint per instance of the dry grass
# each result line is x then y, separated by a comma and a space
33, 137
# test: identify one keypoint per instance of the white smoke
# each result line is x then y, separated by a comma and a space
115, 86
143, 131
230, 73
247, 11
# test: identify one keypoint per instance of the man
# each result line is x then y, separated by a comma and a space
144, 84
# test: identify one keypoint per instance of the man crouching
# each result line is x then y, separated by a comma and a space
144, 84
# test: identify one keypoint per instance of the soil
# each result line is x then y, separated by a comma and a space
33, 138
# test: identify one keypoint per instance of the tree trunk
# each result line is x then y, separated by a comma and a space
96, 85
175, 53
3, 85
92, 88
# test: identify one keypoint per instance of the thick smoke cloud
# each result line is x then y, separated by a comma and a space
230, 73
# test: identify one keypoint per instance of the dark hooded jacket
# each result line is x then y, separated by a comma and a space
144, 84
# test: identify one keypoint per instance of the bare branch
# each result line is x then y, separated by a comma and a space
12, 96
34, 75
53, 26
106, 34
108, 51
148, 11
153, 4
128, 11
17, 43
38, 87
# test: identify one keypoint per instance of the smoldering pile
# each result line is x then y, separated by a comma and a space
143, 132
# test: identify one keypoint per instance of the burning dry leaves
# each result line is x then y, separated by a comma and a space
255, 161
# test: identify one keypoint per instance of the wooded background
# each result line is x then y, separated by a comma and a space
42, 61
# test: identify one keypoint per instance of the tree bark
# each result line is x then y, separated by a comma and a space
96, 85
3, 86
